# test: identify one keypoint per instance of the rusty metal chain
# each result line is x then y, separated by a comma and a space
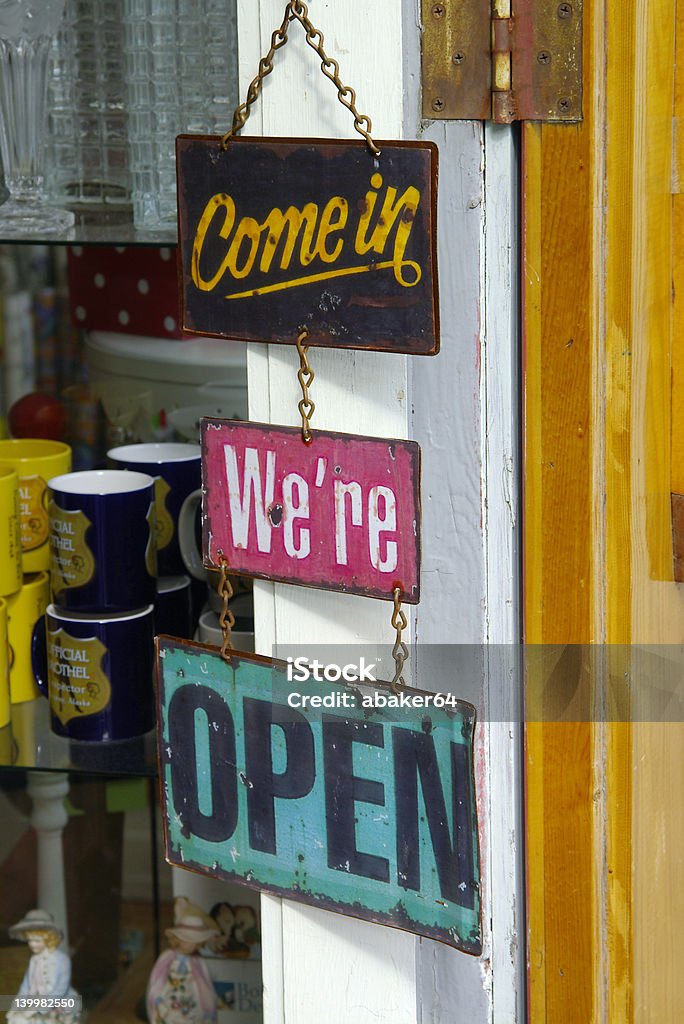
400, 651
278, 39
296, 10
226, 618
305, 376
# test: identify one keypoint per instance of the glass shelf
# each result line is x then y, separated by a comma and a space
28, 742
98, 228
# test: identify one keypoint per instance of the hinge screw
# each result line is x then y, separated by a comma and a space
438, 10
565, 11
458, 57
564, 104
438, 103
543, 57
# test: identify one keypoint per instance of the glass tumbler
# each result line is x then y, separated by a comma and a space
27, 29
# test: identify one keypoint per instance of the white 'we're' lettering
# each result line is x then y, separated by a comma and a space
241, 500
252, 494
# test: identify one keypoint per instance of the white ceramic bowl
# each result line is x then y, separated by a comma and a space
185, 421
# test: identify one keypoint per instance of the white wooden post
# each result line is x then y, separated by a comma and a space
461, 407
49, 817
319, 965
465, 416
501, 543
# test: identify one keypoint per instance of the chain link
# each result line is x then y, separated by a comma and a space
278, 39
226, 618
400, 651
296, 10
305, 376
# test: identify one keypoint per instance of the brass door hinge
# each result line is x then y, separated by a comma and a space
504, 60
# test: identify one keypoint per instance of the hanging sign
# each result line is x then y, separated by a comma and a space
349, 803
341, 513
280, 235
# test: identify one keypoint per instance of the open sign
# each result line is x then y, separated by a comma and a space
342, 513
346, 804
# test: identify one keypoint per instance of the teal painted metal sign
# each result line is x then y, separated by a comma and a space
357, 805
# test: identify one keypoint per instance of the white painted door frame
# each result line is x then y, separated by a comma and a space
462, 407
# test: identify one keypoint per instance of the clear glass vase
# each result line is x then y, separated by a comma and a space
181, 60
27, 29
87, 163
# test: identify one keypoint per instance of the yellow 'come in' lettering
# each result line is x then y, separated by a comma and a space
307, 235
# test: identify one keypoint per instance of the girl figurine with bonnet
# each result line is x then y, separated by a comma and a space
48, 973
180, 990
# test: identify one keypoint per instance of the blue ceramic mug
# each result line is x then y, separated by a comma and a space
102, 540
96, 671
173, 607
177, 471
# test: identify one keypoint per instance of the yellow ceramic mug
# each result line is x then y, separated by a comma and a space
35, 461
4, 667
23, 611
10, 533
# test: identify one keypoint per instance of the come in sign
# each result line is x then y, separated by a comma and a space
280, 235
342, 513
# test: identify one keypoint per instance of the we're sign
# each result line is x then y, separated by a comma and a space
342, 513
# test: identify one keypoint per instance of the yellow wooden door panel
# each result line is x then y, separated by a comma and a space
558, 571
604, 447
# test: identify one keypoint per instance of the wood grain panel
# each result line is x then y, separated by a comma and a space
558, 569
657, 603
576, 206
677, 451
635, 455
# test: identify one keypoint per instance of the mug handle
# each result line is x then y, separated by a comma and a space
187, 539
39, 655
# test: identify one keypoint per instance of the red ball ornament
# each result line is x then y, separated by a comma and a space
38, 415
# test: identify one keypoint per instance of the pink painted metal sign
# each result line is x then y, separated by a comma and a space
342, 513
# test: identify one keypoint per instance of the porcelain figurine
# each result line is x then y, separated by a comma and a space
180, 990
182, 906
222, 914
239, 933
246, 929
48, 973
